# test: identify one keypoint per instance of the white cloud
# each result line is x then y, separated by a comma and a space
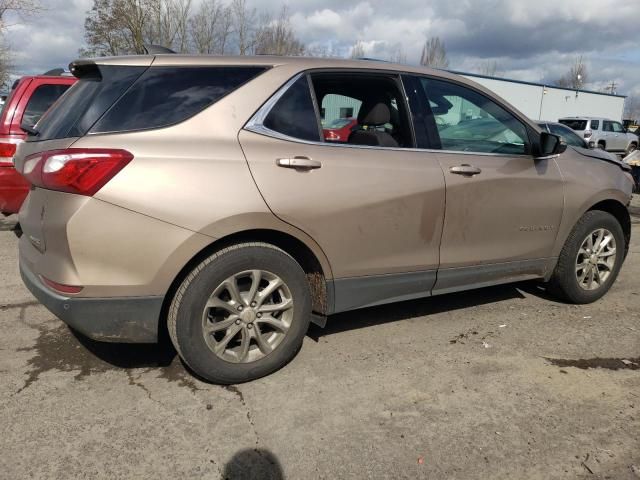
530, 40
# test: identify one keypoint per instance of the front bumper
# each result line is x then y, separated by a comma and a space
115, 319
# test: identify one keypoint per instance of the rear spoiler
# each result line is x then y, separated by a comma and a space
86, 69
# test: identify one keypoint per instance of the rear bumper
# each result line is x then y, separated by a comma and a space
115, 319
13, 190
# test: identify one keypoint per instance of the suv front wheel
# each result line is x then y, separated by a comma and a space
242, 313
590, 259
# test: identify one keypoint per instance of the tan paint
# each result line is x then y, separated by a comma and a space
366, 211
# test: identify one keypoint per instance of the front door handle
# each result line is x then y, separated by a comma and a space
299, 163
466, 170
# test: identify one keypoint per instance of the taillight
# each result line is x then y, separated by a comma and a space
588, 134
7, 151
83, 171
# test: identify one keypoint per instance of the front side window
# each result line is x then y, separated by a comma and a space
607, 126
468, 121
617, 127
293, 114
42, 98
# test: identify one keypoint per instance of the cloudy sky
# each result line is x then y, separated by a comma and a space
530, 40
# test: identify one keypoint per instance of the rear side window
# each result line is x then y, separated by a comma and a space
86, 101
595, 124
163, 96
574, 124
42, 98
294, 114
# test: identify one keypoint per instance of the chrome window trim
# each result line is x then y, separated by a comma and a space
256, 125
258, 118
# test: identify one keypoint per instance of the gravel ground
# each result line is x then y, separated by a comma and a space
497, 383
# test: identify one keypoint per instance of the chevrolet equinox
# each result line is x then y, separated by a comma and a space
198, 194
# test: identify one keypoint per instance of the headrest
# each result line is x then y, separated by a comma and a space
374, 114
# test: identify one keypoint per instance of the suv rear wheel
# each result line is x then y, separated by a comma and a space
590, 259
240, 314
632, 148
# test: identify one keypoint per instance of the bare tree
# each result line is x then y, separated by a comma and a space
398, 54
632, 108
278, 38
490, 68
204, 27
243, 25
5, 64
116, 27
357, 51
434, 54
576, 77
167, 25
22, 8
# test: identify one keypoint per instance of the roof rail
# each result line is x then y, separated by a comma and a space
156, 49
370, 59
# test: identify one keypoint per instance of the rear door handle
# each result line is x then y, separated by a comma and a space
300, 163
465, 169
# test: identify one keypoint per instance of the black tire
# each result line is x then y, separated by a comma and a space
602, 146
564, 283
184, 320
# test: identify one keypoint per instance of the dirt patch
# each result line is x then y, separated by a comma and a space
606, 363
62, 349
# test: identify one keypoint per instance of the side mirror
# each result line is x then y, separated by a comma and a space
550, 144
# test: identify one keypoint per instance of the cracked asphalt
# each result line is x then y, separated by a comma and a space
497, 383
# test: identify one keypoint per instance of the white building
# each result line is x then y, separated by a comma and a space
545, 102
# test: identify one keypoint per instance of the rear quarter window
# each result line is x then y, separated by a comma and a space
574, 124
41, 99
595, 124
164, 96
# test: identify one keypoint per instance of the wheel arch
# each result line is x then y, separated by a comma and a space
621, 213
318, 274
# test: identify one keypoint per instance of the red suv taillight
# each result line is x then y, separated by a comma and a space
7, 151
83, 171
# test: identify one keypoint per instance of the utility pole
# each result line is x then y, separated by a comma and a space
611, 88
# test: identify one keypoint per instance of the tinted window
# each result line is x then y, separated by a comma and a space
607, 126
86, 101
42, 98
164, 96
294, 114
567, 134
470, 122
574, 124
595, 124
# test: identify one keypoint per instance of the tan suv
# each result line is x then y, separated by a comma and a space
198, 193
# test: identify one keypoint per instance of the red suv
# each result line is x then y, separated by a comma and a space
30, 97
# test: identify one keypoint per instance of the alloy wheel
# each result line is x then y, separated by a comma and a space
596, 259
247, 316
